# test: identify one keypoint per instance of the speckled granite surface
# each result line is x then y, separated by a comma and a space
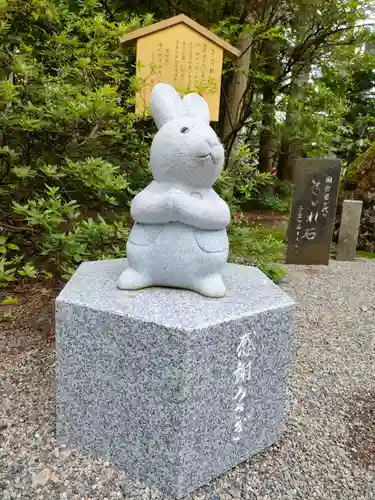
168, 385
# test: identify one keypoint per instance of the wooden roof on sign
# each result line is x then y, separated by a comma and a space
229, 50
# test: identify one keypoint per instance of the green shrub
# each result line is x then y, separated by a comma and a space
258, 246
275, 203
72, 151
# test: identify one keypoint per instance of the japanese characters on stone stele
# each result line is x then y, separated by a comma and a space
242, 375
320, 201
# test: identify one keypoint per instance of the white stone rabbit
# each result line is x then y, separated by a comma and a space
179, 238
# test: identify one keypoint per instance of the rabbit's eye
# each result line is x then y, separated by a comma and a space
184, 130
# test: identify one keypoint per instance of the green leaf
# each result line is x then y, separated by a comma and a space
9, 301
12, 246
23, 172
29, 271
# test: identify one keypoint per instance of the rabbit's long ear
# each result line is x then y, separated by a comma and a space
165, 103
196, 107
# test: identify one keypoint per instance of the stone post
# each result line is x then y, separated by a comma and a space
348, 236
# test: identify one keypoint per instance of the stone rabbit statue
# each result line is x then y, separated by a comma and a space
179, 238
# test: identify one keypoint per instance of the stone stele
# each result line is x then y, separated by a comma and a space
168, 385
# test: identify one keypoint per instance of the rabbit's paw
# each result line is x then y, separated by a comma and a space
130, 279
210, 286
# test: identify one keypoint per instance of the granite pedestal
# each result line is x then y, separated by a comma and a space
170, 386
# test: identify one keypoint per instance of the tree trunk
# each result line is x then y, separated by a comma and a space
236, 90
286, 155
235, 97
291, 149
267, 138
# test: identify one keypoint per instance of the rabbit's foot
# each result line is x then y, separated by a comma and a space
130, 279
210, 286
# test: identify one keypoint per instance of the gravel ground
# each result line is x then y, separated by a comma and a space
327, 450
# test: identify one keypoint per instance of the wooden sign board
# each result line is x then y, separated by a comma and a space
182, 53
315, 190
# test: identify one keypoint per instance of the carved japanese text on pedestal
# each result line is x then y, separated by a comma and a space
242, 375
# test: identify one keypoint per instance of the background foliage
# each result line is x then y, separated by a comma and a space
72, 152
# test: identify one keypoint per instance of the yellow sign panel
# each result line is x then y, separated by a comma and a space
184, 54
183, 58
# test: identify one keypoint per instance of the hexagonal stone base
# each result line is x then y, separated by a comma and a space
170, 386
